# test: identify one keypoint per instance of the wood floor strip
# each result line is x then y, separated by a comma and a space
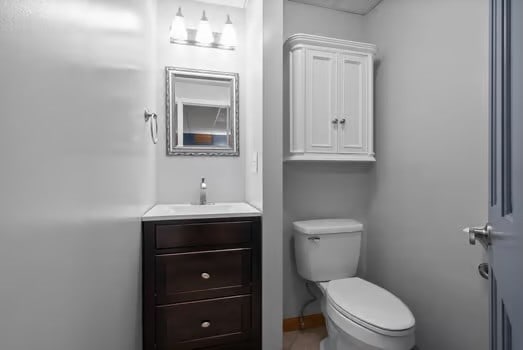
310, 321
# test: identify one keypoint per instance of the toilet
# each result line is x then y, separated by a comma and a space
359, 315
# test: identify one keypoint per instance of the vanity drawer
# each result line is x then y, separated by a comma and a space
197, 275
196, 325
202, 234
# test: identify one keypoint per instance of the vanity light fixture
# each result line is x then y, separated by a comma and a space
204, 34
178, 31
228, 37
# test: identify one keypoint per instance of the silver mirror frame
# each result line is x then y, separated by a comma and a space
172, 150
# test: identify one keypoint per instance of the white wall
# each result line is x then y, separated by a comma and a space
77, 171
178, 177
323, 190
430, 178
254, 104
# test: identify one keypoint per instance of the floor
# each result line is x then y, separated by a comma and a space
308, 339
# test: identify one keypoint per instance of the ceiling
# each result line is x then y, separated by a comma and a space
360, 7
230, 3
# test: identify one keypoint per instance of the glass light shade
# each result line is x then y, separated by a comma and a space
204, 34
228, 37
178, 30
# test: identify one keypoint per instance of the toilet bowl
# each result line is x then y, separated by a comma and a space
359, 315
363, 316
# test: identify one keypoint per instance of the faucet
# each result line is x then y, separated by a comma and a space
203, 192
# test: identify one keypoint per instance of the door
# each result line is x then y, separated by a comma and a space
352, 96
506, 176
321, 90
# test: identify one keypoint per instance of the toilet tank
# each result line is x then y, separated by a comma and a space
327, 249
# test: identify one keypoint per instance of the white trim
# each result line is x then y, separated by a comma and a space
295, 40
364, 157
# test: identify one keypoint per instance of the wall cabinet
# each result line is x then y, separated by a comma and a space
330, 99
202, 284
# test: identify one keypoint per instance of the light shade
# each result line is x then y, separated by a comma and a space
204, 34
178, 30
228, 37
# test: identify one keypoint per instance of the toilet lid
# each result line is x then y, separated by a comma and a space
368, 304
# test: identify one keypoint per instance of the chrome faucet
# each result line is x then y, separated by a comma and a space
203, 192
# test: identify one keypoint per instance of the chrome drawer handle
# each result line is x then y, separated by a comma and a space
206, 276
206, 324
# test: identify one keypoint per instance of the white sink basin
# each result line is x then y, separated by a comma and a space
195, 211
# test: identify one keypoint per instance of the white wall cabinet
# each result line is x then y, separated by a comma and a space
330, 99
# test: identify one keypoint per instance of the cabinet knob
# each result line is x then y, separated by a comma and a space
206, 276
335, 121
205, 324
342, 121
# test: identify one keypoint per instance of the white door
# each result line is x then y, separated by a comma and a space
321, 90
352, 97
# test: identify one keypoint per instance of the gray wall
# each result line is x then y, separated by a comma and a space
77, 171
430, 179
319, 190
272, 174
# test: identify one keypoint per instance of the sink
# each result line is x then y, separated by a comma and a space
196, 211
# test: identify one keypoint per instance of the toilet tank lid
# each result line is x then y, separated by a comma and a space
326, 226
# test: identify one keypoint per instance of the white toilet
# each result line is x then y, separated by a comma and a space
359, 314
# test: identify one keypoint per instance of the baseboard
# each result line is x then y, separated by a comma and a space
310, 321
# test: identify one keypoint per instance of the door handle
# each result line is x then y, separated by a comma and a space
481, 234
335, 121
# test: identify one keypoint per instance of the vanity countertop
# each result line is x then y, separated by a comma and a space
195, 211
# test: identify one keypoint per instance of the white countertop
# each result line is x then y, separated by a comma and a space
195, 211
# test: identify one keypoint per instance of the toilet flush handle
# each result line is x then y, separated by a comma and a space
314, 239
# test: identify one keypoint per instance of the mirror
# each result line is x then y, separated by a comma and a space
202, 113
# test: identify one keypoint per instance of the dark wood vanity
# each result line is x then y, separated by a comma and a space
202, 284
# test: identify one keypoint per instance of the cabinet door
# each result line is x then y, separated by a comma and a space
353, 103
321, 96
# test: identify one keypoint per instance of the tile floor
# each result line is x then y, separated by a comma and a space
308, 339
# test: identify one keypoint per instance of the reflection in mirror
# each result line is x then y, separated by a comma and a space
202, 108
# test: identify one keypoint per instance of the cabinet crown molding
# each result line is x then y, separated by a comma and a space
298, 40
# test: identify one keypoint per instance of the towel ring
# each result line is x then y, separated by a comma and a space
154, 128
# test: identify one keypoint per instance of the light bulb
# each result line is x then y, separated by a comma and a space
204, 34
228, 37
178, 30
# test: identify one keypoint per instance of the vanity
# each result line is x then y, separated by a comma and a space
202, 277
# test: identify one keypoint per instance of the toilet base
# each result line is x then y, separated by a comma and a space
343, 334
338, 340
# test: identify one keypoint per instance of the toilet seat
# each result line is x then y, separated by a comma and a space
370, 306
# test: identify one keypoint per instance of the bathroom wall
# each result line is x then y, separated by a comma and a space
272, 295
254, 104
430, 179
178, 177
319, 190
77, 171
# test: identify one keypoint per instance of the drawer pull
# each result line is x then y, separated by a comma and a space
206, 324
206, 276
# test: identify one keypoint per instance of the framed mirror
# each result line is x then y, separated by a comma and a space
202, 113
